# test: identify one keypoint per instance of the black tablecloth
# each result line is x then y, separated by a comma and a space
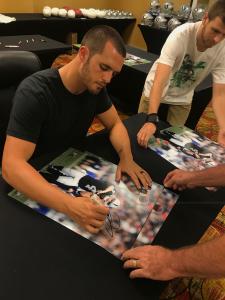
34, 43
47, 49
41, 259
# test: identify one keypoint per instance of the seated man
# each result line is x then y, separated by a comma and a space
205, 260
191, 52
54, 109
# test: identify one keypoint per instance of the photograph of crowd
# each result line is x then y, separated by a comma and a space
165, 201
187, 149
85, 174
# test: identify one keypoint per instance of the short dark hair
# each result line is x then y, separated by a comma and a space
217, 9
96, 38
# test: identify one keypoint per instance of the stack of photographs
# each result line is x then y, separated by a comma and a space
133, 60
135, 216
187, 149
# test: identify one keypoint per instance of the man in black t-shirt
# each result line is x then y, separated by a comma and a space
53, 109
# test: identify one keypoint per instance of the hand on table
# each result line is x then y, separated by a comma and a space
144, 134
139, 176
179, 180
152, 262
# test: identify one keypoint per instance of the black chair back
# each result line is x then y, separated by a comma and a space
14, 67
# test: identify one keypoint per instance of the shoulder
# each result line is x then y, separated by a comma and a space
179, 40
39, 79
37, 86
185, 30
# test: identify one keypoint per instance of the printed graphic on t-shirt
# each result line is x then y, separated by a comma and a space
187, 73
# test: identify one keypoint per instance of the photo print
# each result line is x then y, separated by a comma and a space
187, 149
85, 174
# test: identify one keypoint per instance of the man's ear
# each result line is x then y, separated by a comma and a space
205, 18
84, 54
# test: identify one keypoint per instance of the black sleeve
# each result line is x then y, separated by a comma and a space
104, 103
27, 113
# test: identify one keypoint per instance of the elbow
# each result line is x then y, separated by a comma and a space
7, 171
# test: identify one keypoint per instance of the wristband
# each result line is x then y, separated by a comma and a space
152, 118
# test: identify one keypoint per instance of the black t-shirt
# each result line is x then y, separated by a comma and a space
45, 113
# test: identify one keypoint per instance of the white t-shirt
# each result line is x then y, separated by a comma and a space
189, 66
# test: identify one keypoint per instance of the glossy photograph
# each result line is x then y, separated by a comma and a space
85, 174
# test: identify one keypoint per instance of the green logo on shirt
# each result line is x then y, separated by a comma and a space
186, 75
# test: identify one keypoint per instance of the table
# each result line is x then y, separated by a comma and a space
47, 49
58, 28
41, 259
194, 210
154, 37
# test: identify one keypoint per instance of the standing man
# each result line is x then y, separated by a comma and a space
191, 52
53, 109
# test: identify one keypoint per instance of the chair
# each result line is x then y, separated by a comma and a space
14, 67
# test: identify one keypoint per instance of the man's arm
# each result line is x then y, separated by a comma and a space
21, 175
206, 260
218, 102
179, 179
121, 142
162, 74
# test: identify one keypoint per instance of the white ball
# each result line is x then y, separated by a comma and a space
71, 13
101, 13
47, 11
55, 11
91, 13
62, 13
84, 11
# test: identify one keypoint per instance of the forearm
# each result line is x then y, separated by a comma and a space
155, 96
120, 141
214, 176
161, 78
219, 109
205, 260
23, 177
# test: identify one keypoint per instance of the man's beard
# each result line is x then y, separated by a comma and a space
87, 79
205, 43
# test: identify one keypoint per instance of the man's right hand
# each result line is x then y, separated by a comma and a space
179, 179
144, 134
87, 213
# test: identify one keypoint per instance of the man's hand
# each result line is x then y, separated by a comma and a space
179, 180
144, 134
152, 262
87, 213
139, 176
221, 137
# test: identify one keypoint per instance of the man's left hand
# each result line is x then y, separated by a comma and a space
139, 176
151, 262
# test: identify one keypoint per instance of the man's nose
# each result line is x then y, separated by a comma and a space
108, 76
218, 38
